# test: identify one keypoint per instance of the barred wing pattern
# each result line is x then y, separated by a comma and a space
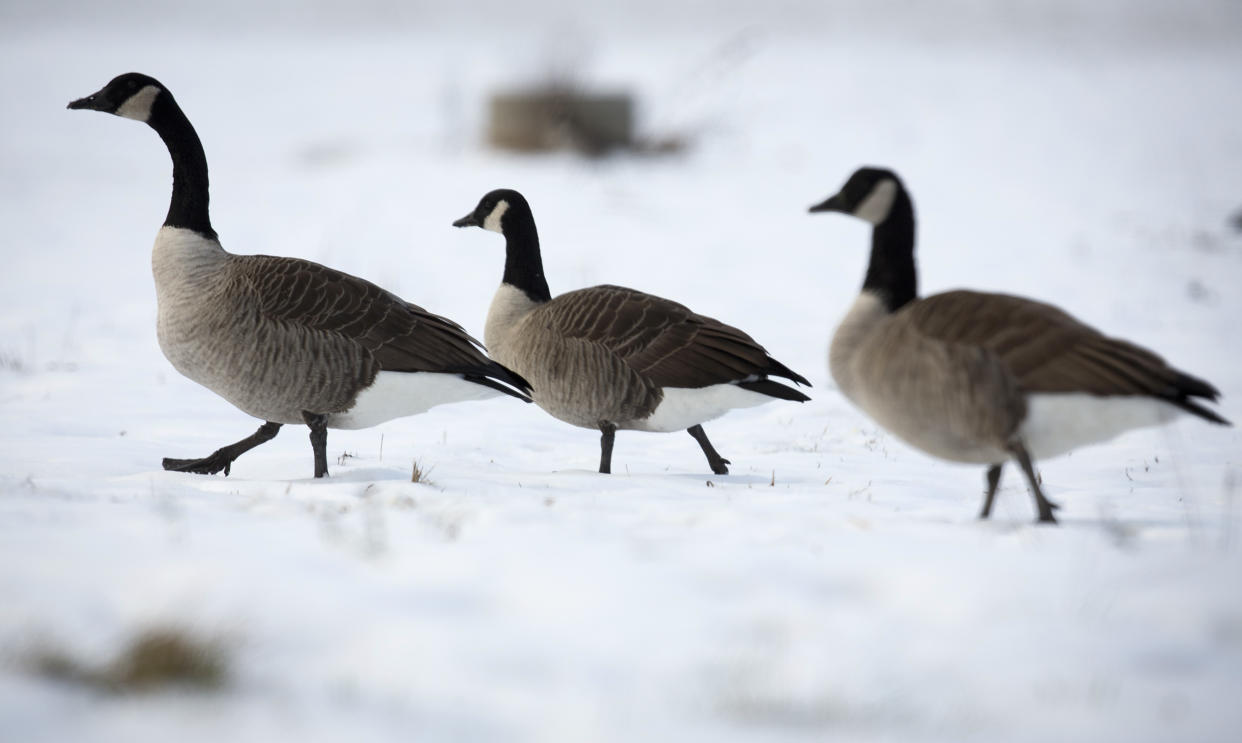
662, 340
1048, 351
397, 335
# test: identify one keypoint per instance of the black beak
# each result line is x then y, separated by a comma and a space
93, 102
834, 203
468, 221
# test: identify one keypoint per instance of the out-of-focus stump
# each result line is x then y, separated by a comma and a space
548, 119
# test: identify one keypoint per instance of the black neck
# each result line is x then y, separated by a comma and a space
891, 273
188, 207
523, 264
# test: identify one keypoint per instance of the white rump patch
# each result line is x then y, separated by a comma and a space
683, 407
1056, 424
492, 222
138, 105
398, 394
879, 202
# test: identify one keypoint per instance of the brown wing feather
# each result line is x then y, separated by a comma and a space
398, 335
661, 339
1049, 351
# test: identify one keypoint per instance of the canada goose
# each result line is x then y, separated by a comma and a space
283, 339
611, 358
982, 378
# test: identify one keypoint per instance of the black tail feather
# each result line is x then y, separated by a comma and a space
1187, 387
774, 389
502, 379
777, 369
1190, 406
1190, 386
498, 386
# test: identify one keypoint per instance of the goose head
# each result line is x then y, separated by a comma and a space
869, 194
496, 211
130, 95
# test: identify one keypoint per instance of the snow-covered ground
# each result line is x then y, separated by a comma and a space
835, 586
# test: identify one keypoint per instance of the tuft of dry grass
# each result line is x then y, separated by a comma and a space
153, 659
418, 474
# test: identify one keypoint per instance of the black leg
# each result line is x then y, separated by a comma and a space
319, 440
994, 473
608, 432
1045, 506
222, 458
714, 460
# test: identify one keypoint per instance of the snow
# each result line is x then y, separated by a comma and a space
836, 585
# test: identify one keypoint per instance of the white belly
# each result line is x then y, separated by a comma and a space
1056, 424
398, 394
683, 407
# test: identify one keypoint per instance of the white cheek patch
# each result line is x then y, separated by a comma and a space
879, 202
493, 220
138, 105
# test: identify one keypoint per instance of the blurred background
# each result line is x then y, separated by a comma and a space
1085, 153
1095, 122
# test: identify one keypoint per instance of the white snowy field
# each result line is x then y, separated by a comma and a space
835, 586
